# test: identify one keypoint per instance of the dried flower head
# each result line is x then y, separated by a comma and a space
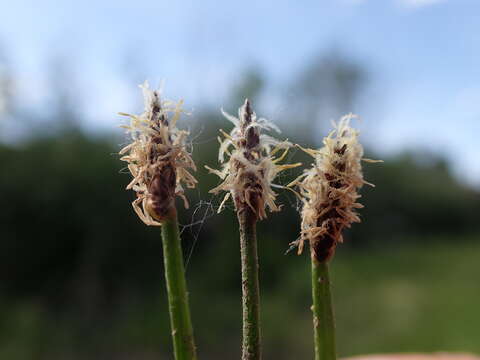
329, 190
251, 167
157, 158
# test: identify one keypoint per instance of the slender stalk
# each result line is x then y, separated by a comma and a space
323, 319
251, 349
181, 324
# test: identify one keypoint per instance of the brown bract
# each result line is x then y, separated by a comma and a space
251, 165
157, 158
329, 190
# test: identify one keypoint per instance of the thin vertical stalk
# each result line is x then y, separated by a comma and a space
181, 324
323, 318
251, 349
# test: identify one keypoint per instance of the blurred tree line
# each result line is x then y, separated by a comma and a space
77, 265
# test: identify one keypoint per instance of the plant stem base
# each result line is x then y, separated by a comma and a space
251, 349
181, 324
323, 318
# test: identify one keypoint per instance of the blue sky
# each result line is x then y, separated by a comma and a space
423, 55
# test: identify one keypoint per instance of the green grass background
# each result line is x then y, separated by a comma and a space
417, 298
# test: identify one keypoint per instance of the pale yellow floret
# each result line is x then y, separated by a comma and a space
156, 145
329, 188
261, 165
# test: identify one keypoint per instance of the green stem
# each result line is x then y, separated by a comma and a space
182, 331
323, 319
251, 349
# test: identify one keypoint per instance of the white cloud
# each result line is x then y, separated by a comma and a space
418, 3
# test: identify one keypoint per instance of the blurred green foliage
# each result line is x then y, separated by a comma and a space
81, 275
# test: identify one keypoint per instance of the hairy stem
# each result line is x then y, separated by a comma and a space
251, 349
323, 319
182, 331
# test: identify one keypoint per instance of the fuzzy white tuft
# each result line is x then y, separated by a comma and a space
157, 157
248, 163
329, 190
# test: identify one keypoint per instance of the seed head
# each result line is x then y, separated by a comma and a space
157, 158
250, 167
329, 190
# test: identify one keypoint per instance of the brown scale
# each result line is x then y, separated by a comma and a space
252, 136
161, 188
254, 192
250, 142
323, 247
162, 192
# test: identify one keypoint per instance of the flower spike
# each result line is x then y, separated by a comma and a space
157, 158
329, 190
251, 167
